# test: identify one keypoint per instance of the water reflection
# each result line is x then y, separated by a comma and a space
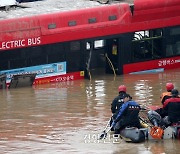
68, 117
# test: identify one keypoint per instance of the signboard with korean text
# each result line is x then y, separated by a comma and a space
42, 71
152, 65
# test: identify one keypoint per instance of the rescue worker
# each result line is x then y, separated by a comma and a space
172, 108
164, 96
117, 102
128, 115
167, 94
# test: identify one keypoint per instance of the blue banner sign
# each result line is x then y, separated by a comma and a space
42, 71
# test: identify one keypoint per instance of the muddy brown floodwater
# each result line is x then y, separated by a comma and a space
68, 117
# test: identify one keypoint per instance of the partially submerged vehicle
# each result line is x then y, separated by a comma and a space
17, 80
69, 45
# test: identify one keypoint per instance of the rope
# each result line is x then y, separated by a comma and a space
89, 61
111, 65
89, 75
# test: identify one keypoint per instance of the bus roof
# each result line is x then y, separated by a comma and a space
93, 22
44, 7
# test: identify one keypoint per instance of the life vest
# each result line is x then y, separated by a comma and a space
165, 96
128, 115
117, 102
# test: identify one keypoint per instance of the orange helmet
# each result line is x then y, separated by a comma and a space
122, 88
169, 86
156, 132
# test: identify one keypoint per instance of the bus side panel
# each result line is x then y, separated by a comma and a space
166, 63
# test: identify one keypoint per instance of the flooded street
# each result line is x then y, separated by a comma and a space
68, 117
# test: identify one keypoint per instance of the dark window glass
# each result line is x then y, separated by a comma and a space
172, 37
112, 17
72, 23
52, 26
55, 53
175, 31
92, 20
74, 46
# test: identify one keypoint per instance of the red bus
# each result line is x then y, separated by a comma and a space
121, 38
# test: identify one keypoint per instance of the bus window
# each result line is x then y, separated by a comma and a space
98, 44
75, 46
172, 36
147, 45
73, 56
178, 48
12, 59
36, 56
54, 53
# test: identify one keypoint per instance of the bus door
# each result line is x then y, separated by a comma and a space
118, 53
